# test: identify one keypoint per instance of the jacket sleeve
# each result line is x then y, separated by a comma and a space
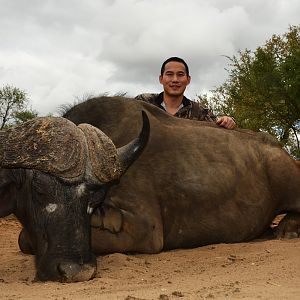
202, 113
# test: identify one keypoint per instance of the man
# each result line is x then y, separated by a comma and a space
174, 77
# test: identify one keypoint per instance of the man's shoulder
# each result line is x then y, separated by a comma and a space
195, 110
147, 97
192, 103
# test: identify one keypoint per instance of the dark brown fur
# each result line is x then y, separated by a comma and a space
195, 183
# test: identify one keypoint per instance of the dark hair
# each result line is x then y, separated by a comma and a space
177, 59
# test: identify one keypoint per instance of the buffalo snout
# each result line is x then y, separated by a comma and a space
72, 272
67, 271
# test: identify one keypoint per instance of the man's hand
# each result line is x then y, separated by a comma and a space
226, 122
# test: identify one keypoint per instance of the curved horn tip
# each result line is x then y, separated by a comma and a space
130, 152
145, 128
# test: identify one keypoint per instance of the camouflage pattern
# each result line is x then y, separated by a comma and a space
190, 109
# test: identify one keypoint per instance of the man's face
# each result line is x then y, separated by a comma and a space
174, 79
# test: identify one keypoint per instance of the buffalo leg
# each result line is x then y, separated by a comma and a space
120, 231
25, 242
289, 226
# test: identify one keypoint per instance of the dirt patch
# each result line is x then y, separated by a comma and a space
256, 270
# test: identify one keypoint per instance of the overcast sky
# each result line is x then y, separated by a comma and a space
57, 50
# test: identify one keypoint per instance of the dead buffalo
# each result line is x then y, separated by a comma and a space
195, 183
53, 173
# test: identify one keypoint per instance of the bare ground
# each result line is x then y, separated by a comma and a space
256, 270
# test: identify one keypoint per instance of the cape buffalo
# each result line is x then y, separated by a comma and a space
195, 183
53, 174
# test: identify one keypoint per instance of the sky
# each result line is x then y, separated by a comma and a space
59, 51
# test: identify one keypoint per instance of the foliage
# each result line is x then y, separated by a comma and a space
263, 89
14, 107
23, 116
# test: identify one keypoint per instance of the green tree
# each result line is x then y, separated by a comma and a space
263, 89
14, 107
25, 115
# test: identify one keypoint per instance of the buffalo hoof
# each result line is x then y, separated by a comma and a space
71, 272
289, 226
25, 243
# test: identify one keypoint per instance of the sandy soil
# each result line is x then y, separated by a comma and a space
256, 270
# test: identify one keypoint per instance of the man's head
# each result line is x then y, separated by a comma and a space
174, 76
175, 59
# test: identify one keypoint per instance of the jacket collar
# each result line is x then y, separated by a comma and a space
160, 98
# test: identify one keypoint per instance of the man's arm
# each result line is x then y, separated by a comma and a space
204, 114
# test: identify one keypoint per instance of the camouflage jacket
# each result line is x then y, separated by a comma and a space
189, 110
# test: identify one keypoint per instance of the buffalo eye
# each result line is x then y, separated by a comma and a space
96, 199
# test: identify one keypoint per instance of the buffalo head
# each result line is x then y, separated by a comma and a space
53, 174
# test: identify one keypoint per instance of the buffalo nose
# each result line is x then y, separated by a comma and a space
72, 272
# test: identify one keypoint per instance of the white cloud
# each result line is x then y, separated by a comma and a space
59, 49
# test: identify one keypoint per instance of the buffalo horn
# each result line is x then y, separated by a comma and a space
49, 144
103, 160
58, 147
130, 152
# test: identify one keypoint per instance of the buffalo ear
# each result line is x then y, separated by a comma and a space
7, 198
